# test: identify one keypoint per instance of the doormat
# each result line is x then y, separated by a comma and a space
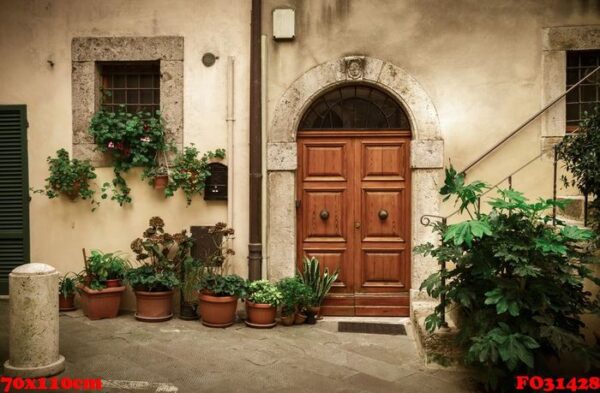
393, 329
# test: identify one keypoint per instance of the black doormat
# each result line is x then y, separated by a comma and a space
393, 329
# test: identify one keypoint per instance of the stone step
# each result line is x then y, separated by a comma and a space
574, 210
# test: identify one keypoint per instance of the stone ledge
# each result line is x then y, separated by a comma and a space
571, 37
126, 48
437, 347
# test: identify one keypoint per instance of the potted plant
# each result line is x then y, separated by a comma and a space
131, 140
67, 286
190, 171
218, 298
161, 254
320, 283
100, 285
158, 176
69, 178
295, 296
261, 304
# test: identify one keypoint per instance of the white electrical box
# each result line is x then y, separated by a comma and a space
284, 23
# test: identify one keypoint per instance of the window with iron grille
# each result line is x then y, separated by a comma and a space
136, 85
587, 95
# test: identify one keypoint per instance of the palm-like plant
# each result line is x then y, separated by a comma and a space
319, 283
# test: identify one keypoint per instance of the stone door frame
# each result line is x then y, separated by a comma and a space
427, 156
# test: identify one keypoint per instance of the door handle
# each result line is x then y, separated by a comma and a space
383, 214
357, 225
324, 214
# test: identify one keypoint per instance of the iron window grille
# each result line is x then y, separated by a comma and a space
134, 85
356, 107
587, 95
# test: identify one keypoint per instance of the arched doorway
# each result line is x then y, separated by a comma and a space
353, 200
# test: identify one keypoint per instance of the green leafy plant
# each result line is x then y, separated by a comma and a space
320, 283
152, 172
69, 177
580, 152
223, 285
162, 256
67, 284
189, 172
264, 292
101, 267
515, 280
132, 140
295, 295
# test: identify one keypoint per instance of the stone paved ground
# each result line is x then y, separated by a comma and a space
183, 356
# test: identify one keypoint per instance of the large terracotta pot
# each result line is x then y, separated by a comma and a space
154, 306
66, 303
101, 304
217, 311
260, 315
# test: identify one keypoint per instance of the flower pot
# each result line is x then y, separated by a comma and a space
113, 283
161, 182
299, 319
288, 320
154, 306
66, 303
188, 311
217, 311
260, 315
101, 304
312, 314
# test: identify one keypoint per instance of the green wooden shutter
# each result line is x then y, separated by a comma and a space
14, 191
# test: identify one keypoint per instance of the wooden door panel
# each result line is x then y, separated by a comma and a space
391, 225
325, 215
383, 268
325, 161
383, 160
334, 259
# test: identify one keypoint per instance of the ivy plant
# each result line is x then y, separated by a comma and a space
189, 172
132, 140
70, 178
516, 282
580, 152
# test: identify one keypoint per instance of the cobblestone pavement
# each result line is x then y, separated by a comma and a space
184, 356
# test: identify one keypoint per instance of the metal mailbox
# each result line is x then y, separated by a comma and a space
216, 184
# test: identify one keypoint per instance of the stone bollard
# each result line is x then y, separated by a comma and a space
33, 322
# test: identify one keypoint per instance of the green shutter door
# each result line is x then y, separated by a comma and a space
14, 191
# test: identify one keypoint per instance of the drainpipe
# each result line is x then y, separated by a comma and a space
263, 128
230, 119
255, 243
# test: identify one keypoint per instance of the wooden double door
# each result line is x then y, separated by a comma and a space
353, 209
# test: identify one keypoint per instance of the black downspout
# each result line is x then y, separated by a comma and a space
255, 245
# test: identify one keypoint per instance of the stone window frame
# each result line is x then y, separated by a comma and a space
555, 44
86, 52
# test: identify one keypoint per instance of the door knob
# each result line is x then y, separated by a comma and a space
324, 214
383, 214
357, 225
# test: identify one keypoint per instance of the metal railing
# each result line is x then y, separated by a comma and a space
426, 219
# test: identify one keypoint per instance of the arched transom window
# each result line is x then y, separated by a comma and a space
355, 107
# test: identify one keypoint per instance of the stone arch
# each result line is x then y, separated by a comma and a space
427, 153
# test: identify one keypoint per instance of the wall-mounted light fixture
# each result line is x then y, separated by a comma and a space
284, 23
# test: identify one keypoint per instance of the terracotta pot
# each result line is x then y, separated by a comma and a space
72, 194
260, 315
288, 320
101, 304
154, 306
113, 283
217, 311
161, 182
299, 319
66, 303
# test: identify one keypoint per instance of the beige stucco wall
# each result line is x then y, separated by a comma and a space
33, 32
